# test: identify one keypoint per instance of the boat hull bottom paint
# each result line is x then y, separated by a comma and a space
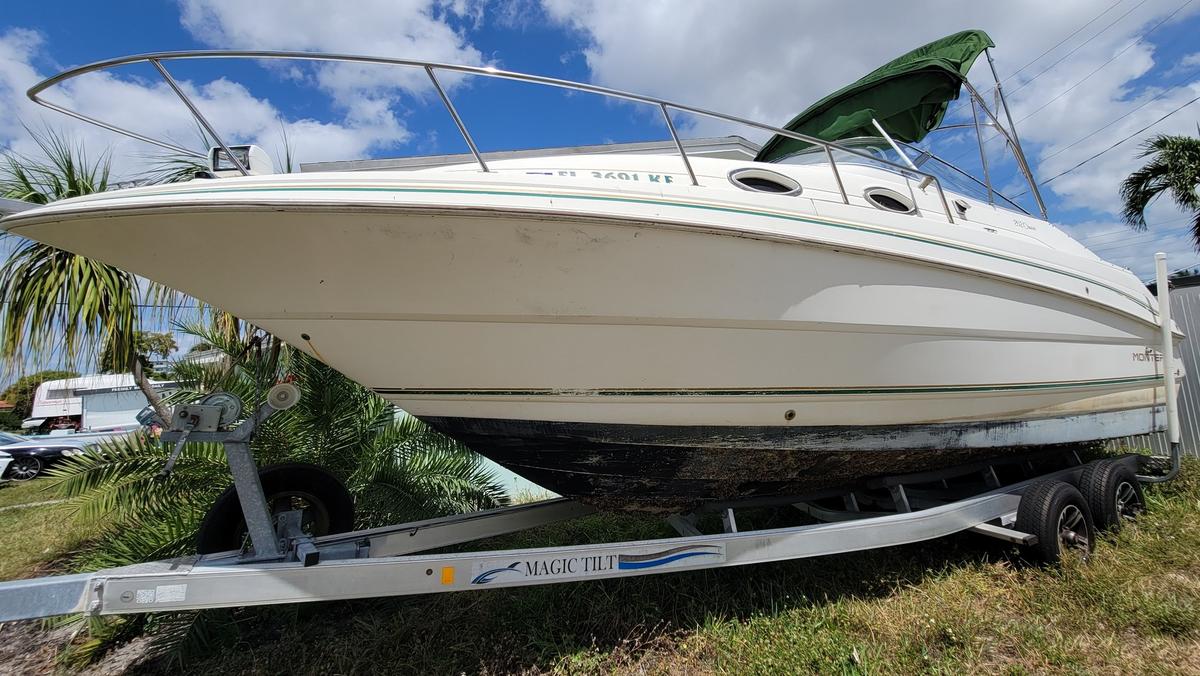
657, 468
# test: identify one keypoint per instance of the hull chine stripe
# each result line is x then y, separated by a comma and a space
768, 392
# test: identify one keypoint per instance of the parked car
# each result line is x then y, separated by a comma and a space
28, 458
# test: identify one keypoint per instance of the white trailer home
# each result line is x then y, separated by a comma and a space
92, 403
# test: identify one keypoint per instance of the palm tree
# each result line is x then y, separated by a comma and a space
1174, 169
396, 467
146, 344
59, 304
56, 304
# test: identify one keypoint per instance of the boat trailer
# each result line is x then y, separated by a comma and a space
386, 561
1049, 512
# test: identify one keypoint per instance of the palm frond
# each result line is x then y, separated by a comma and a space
396, 467
1140, 189
116, 479
60, 306
174, 169
62, 171
1175, 170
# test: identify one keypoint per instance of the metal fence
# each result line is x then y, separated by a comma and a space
1185, 310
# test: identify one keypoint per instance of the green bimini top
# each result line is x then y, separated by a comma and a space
908, 96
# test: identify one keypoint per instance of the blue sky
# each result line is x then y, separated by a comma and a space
1071, 68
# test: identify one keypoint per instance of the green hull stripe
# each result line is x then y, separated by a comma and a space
633, 200
821, 391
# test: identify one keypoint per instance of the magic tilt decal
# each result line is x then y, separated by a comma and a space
581, 565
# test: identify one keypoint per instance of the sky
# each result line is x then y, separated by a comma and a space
1079, 76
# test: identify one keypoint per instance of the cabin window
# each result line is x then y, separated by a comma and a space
889, 200
763, 180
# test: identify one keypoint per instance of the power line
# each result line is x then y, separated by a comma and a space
1113, 146
1110, 235
1073, 50
1141, 238
1116, 248
1111, 123
1149, 278
1131, 235
1110, 60
1117, 231
1140, 37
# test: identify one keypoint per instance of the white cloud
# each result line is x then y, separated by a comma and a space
151, 108
1186, 64
767, 61
367, 98
763, 60
411, 29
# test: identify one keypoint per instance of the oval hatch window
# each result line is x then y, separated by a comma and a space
764, 180
889, 200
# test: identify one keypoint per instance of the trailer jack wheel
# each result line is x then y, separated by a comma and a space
325, 504
1058, 515
1113, 493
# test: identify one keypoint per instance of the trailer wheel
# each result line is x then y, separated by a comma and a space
1113, 493
327, 506
1059, 516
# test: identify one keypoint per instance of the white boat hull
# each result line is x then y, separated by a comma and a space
514, 313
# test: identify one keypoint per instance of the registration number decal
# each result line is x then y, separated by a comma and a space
610, 175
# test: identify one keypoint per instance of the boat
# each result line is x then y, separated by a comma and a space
652, 332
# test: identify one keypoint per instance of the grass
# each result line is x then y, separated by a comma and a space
32, 537
22, 493
962, 604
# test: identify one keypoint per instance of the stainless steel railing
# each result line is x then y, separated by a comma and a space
157, 59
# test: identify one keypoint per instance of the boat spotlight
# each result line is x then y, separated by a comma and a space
253, 159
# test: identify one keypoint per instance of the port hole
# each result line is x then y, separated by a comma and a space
762, 180
889, 200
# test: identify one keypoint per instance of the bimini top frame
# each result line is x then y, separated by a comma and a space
157, 60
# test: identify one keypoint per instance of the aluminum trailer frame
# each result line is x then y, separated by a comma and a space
289, 567
381, 562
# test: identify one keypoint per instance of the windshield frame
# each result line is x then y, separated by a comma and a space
921, 157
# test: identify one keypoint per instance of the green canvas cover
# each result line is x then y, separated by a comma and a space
908, 96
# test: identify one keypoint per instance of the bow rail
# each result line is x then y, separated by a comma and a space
431, 68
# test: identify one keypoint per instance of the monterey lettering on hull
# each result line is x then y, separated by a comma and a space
560, 567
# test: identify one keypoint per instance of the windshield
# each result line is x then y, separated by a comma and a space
875, 147
6, 439
951, 177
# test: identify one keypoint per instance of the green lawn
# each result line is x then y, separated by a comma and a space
13, 493
31, 537
960, 604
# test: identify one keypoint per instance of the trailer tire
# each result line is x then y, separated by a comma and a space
1113, 493
1058, 515
328, 506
